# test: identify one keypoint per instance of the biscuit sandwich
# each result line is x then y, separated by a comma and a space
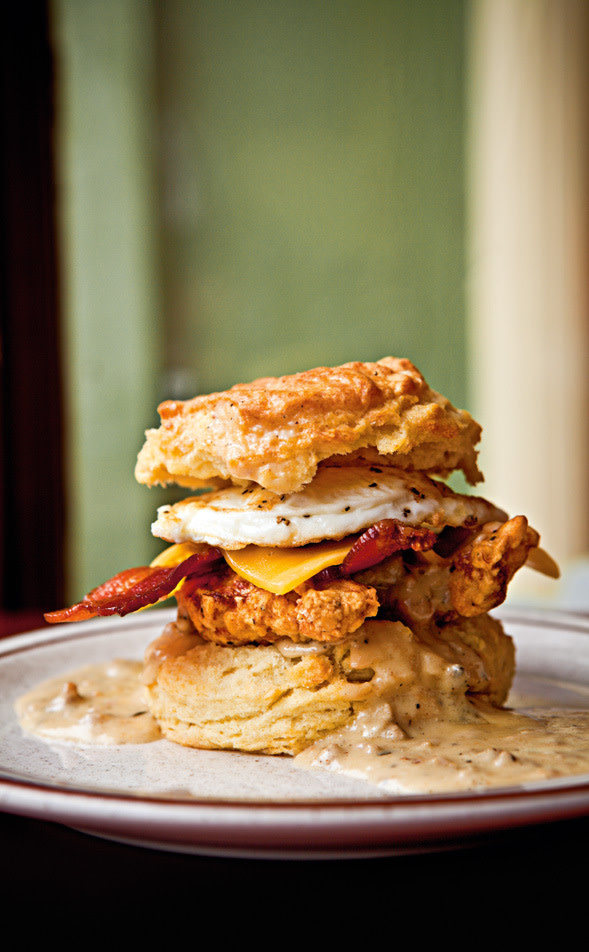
320, 562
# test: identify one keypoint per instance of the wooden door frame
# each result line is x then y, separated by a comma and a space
32, 509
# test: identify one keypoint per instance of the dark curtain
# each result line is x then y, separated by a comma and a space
31, 471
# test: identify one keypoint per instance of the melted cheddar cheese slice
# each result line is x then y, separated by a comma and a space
282, 570
276, 570
175, 554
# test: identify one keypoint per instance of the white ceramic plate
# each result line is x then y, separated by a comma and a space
216, 803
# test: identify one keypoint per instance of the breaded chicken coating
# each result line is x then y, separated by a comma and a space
482, 570
417, 588
471, 581
232, 611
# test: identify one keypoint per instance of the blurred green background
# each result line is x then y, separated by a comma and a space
246, 188
313, 177
201, 192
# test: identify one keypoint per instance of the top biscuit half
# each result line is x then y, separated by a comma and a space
275, 431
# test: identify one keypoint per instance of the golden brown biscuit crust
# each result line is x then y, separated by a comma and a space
276, 430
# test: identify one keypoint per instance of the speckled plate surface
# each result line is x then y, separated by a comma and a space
216, 803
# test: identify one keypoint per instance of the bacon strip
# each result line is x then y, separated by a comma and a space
132, 589
383, 539
376, 544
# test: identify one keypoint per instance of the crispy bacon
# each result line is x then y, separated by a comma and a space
383, 539
377, 543
132, 589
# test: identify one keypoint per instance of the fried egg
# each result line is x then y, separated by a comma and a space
340, 501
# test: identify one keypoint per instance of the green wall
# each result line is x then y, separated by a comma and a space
107, 189
313, 185
249, 187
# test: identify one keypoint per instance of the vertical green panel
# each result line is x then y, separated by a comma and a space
313, 185
311, 211
106, 156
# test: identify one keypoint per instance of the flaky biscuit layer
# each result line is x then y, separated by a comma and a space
263, 698
276, 431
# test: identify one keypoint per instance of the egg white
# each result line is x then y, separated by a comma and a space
341, 500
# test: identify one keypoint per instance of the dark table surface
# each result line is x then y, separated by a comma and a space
540, 870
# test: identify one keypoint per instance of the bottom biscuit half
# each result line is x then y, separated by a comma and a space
280, 698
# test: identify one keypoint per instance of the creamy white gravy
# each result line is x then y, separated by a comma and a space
97, 704
472, 746
491, 747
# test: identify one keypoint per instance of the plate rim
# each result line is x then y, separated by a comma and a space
370, 826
